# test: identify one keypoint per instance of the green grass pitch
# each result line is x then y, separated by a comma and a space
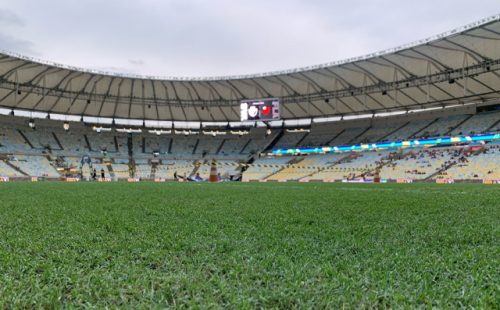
254, 245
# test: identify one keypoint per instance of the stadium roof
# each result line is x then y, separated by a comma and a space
462, 65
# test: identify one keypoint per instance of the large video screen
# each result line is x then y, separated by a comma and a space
260, 110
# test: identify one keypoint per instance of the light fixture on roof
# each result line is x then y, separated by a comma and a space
214, 132
160, 132
296, 130
239, 132
128, 130
186, 132
99, 129
268, 132
31, 123
66, 126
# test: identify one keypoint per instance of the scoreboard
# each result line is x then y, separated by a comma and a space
260, 110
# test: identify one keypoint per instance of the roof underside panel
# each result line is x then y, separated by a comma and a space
334, 89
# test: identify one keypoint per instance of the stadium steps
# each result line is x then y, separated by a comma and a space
325, 167
52, 162
153, 170
220, 146
170, 146
130, 145
196, 146
394, 131
131, 166
492, 126
196, 167
61, 162
25, 138
245, 146
87, 143
458, 125
379, 167
353, 140
429, 178
274, 141
58, 142
116, 144
291, 162
335, 137
111, 171
302, 139
423, 128
131, 161
8, 163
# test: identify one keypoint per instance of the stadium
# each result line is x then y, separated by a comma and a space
284, 189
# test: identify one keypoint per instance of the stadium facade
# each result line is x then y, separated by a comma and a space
63, 122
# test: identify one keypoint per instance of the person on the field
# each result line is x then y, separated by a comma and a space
102, 173
198, 178
94, 174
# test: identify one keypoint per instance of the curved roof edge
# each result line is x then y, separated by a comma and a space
458, 30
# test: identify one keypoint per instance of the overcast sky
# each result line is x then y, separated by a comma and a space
221, 37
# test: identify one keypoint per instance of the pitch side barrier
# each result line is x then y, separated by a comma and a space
390, 145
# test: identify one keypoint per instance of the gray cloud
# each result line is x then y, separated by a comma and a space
221, 37
136, 62
115, 69
9, 18
20, 46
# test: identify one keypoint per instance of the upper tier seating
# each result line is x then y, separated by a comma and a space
348, 135
290, 140
442, 126
409, 130
477, 124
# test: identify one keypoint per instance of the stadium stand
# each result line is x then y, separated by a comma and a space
51, 152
